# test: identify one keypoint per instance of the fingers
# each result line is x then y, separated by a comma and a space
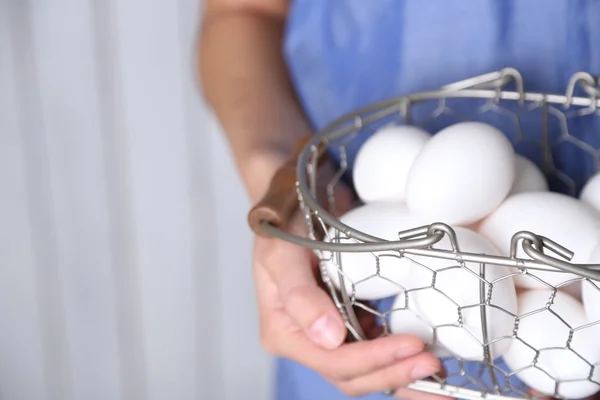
354, 359
314, 311
292, 269
346, 363
288, 330
538, 395
408, 394
307, 327
368, 367
396, 375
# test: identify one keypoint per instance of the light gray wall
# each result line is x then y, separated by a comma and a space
119, 278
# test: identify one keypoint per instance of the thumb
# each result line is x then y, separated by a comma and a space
292, 269
314, 311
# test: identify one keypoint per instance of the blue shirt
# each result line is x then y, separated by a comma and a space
345, 54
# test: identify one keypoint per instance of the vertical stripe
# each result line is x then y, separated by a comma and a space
63, 47
150, 64
21, 363
206, 269
125, 264
40, 202
124, 277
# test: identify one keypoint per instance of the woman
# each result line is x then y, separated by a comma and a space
274, 70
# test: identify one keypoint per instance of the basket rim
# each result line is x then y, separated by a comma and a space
387, 107
419, 239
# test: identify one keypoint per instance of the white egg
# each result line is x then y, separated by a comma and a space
541, 330
590, 193
374, 275
383, 161
474, 226
561, 218
572, 288
462, 174
590, 292
456, 296
405, 320
528, 177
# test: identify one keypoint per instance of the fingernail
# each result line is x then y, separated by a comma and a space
422, 371
326, 332
408, 352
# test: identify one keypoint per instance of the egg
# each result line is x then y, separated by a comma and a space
561, 218
454, 295
590, 292
374, 275
528, 177
384, 160
542, 330
572, 288
590, 193
462, 174
405, 320
474, 226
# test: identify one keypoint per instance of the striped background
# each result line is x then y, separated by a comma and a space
124, 256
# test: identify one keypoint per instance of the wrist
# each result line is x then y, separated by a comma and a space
257, 170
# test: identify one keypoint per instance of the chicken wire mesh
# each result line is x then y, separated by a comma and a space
566, 147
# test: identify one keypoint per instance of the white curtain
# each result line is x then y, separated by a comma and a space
124, 251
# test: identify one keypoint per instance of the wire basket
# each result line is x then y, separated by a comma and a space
297, 183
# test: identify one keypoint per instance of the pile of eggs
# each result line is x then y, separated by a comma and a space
469, 177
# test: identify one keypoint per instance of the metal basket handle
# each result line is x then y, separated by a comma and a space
281, 201
496, 80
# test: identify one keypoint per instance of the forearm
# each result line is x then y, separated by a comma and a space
245, 80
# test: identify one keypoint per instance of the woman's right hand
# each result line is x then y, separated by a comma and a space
245, 79
299, 321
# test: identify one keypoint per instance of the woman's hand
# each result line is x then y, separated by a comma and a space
245, 80
299, 321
